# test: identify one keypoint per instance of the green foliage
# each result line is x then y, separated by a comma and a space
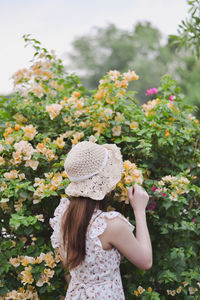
141, 49
50, 112
189, 30
189, 75
111, 48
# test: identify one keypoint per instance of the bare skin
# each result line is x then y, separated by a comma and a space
137, 249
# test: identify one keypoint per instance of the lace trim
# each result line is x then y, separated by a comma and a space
55, 222
99, 225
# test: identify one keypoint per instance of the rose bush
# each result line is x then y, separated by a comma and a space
49, 112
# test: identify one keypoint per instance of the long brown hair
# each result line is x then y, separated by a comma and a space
74, 227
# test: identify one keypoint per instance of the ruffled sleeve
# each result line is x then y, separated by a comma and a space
99, 224
55, 222
113, 214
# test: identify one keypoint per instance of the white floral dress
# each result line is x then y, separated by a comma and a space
98, 276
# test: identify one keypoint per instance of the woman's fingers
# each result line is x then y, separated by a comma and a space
130, 192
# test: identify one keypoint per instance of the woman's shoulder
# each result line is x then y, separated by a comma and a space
101, 220
117, 218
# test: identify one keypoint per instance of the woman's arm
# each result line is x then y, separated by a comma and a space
137, 249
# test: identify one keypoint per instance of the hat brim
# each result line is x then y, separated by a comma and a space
97, 186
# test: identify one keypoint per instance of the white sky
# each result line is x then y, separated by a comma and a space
57, 22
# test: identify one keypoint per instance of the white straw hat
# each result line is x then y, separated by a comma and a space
94, 170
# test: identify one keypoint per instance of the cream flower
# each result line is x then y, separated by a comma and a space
15, 261
76, 137
21, 293
173, 196
116, 130
9, 140
17, 156
22, 176
108, 111
2, 161
173, 293
42, 280
179, 289
3, 186
56, 181
37, 89
83, 124
20, 118
183, 180
119, 117
49, 272
53, 110
20, 75
32, 163
11, 175
1, 148
127, 165
78, 104
40, 258
48, 175
170, 105
25, 148
185, 283
38, 181
99, 127
27, 260
141, 290
192, 290
59, 143
128, 179
50, 262
40, 217
27, 276
29, 131
92, 139
114, 75
130, 75
150, 105
134, 125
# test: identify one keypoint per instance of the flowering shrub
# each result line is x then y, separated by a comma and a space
50, 112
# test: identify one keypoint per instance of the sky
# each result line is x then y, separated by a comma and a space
56, 23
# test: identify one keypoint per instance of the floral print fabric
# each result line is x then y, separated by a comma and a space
98, 276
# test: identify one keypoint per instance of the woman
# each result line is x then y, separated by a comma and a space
91, 240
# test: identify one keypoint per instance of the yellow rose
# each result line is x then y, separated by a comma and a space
134, 125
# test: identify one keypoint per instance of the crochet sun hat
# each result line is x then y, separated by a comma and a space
94, 170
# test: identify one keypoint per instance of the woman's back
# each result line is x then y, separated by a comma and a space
98, 276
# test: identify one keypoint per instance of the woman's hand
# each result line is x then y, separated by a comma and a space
137, 249
138, 198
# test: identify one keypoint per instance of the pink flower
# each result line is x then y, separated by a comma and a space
193, 220
151, 206
151, 91
163, 194
172, 97
154, 188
